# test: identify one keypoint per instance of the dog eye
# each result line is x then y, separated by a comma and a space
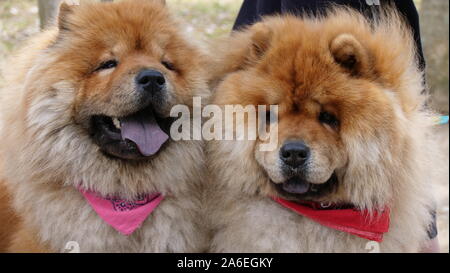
168, 65
107, 65
329, 119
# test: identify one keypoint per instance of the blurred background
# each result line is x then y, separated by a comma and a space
207, 19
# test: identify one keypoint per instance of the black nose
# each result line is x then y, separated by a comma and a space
295, 154
150, 80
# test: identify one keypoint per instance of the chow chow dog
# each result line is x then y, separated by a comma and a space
85, 118
354, 159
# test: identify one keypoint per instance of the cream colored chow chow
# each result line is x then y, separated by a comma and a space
73, 95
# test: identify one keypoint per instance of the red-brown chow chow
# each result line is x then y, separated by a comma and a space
70, 95
352, 130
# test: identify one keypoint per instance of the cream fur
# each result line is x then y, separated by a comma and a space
47, 155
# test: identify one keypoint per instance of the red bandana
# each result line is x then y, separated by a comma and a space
349, 220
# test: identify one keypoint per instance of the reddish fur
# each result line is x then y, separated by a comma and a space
8, 219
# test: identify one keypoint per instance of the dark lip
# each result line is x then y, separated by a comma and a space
109, 138
315, 190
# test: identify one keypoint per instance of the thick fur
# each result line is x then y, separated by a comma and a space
363, 72
51, 90
9, 219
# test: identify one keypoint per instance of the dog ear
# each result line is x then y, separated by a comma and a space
241, 49
261, 39
348, 52
64, 11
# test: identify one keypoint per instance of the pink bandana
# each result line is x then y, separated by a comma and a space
124, 216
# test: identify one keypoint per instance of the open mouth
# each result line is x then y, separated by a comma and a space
299, 189
138, 136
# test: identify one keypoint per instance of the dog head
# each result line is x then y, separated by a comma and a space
344, 87
130, 68
100, 89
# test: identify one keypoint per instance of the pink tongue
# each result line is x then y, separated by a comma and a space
144, 131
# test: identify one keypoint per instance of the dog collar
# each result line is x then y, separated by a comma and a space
123, 215
361, 223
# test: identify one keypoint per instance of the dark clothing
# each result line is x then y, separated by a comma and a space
253, 10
